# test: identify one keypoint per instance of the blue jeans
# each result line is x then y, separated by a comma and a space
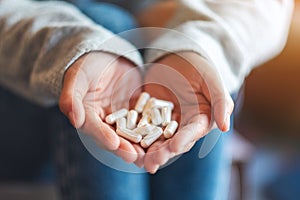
31, 135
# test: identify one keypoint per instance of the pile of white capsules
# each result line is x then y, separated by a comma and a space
155, 120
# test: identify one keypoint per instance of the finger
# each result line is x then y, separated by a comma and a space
71, 100
157, 155
126, 151
100, 131
222, 110
197, 127
141, 154
161, 152
190, 146
222, 104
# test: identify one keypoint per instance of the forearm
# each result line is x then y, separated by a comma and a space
40, 40
233, 35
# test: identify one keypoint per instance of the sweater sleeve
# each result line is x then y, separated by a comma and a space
234, 35
40, 40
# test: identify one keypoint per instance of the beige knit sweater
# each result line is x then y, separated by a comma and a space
40, 40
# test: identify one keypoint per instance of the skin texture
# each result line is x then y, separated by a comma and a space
89, 85
201, 101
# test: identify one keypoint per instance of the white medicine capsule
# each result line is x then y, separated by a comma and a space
152, 137
112, 118
140, 104
145, 120
166, 113
121, 122
170, 129
158, 103
129, 135
131, 119
155, 116
144, 130
148, 106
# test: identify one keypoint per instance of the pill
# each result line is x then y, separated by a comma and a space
170, 129
166, 113
144, 130
112, 118
140, 104
121, 122
145, 120
155, 116
148, 106
129, 135
158, 103
131, 119
155, 113
152, 137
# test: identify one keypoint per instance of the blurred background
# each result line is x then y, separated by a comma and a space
266, 142
268, 126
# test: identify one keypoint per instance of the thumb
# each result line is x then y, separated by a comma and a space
222, 110
222, 103
75, 87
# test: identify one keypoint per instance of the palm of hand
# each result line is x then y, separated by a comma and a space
92, 88
183, 85
88, 96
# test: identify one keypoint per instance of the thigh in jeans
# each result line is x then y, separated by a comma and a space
24, 144
81, 176
108, 15
191, 177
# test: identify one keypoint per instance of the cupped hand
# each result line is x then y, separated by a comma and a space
91, 86
201, 103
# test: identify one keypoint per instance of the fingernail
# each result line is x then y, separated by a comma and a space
226, 124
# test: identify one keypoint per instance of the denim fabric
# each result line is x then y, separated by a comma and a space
110, 16
192, 178
30, 135
24, 143
132, 6
82, 177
